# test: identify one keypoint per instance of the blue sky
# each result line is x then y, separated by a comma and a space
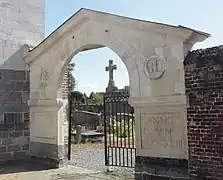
90, 72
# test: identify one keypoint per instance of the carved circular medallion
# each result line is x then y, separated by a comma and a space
44, 77
154, 67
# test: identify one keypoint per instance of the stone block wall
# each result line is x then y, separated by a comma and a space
14, 115
204, 88
22, 22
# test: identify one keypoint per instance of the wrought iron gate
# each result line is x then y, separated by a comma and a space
119, 129
70, 116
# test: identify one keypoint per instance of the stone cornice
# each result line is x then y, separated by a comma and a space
84, 15
158, 101
45, 103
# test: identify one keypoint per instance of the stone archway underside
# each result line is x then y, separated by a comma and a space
153, 54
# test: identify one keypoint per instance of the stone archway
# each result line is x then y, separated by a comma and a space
153, 55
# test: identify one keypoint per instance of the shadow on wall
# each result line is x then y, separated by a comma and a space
15, 62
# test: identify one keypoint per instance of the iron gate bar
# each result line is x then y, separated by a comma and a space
119, 137
105, 133
70, 101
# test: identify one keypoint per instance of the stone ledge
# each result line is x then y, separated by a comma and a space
45, 103
158, 101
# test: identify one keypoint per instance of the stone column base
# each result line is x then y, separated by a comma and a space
161, 168
50, 155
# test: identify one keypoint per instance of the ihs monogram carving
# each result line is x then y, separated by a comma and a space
154, 67
44, 77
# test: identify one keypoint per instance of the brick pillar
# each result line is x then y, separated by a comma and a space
64, 92
64, 86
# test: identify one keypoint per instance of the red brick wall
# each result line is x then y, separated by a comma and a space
204, 88
64, 87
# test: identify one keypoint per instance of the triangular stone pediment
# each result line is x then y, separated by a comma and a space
84, 15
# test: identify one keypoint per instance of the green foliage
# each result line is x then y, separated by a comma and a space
80, 97
71, 78
126, 90
123, 129
96, 98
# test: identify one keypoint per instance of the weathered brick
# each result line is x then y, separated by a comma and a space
20, 86
15, 107
6, 141
4, 134
4, 157
26, 117
20, 155
20, 127
204, 88
13, 118
2, 149
25, 96
26, 133
13, 148
10, 97
20, 75
15, 133
25, 147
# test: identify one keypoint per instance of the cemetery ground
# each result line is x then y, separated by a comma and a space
87, 162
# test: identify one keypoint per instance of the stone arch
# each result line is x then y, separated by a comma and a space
135, 42
61, 60
88, 36
59, 71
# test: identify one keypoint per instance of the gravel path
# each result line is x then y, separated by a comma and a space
91, 156
87, 164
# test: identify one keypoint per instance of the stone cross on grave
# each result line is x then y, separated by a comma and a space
111, 84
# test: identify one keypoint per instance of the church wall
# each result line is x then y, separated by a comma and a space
14, 115
22, 22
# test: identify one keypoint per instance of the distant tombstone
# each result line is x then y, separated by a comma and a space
78, 134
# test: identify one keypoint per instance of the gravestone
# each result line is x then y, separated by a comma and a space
78, 134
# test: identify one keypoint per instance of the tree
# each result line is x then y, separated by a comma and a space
96, 97
126, 89
79, 97
71, 78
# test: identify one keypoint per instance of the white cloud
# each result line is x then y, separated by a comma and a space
88, 88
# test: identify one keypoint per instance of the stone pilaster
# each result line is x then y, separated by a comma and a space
47, 131
161, 137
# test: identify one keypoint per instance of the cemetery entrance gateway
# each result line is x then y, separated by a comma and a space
152, 93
